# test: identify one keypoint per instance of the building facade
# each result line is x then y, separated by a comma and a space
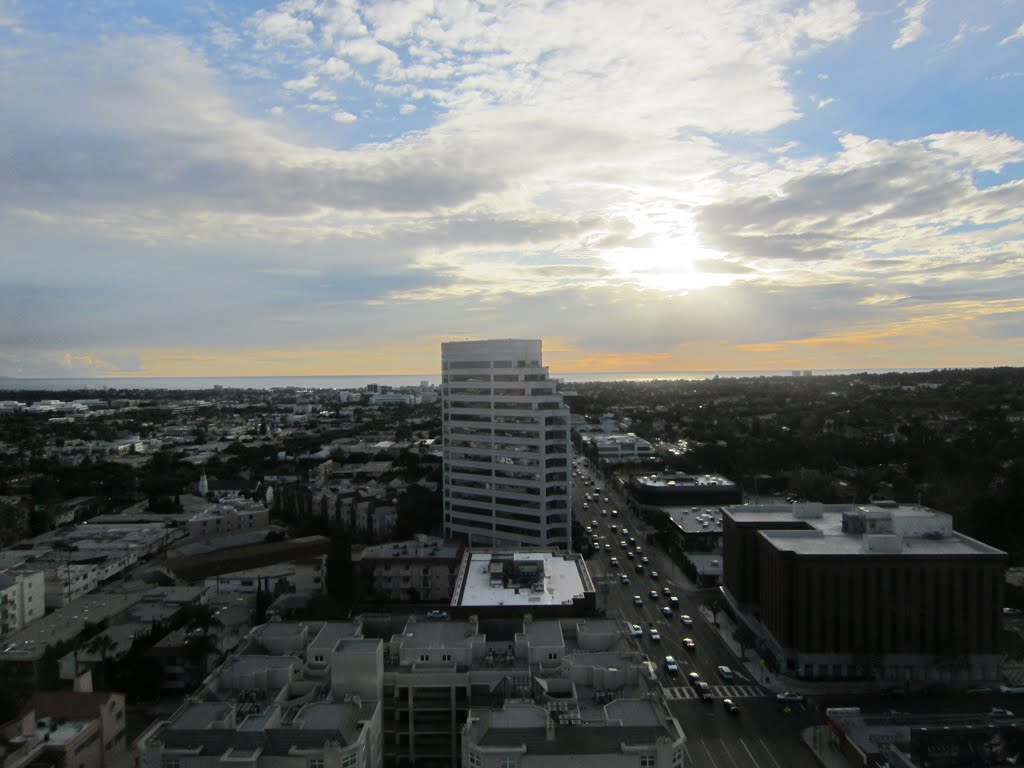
883, 591
506, 446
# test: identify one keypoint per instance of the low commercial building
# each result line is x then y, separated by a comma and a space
617, 448
884, 591
512, 582
676, 489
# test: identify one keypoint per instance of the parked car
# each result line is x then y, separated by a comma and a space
1000, 712
437, 614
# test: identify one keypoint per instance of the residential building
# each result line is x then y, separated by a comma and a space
450, 684
423, 569
506, 446
22, 599
884, 590
230, 515
105, 707
296, 695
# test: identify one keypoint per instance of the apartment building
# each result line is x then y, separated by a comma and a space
423, 568
22, 599
884, 590
297, 695
506, 446
447, 684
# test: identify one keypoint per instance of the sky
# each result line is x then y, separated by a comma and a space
329, 187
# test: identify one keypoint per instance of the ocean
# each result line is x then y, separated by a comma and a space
360, 381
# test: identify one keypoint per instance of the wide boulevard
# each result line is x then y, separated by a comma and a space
761, 734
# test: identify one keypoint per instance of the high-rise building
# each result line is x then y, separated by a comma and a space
506, 446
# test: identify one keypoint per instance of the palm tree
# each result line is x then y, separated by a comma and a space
101, 644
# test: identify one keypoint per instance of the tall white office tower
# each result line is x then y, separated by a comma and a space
506, 446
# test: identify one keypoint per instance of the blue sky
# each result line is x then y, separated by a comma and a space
321, 187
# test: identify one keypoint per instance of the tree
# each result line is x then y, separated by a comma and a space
746, 638
102, 644
714, 605
340, 577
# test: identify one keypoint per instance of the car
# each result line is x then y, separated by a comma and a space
636, 630
638, 549
629, 555
694, 678
614, 562
605, 498
730, 706
614, 527
623, 545
686, 620
639, 567
725, 673
624, 578
604, 513
1000, 712
615, 513
637, 600
789, 697
625, 531
666, 591
654, 575
585, 505
704, 691
607, 547
655, 635
644, 560
653, 594
1011, 688
589, 530
666, 610
673, 601
593, 523
688, 644
437, 614
671, 666
632, 541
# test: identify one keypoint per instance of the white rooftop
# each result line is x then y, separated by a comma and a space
562, 580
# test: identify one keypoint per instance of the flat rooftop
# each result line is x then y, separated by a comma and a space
563, 581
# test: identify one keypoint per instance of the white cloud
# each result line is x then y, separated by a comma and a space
912, 26
1016, 35
406, 109
341, 116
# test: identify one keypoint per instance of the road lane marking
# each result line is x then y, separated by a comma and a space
703, 744
728, 753
753, 760
769, 752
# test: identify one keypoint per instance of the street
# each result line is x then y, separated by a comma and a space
760, 734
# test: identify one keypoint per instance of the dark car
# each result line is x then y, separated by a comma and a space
730, 706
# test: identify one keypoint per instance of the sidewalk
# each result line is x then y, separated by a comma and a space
821, 747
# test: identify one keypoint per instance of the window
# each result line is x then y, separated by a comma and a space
349, 760
474, 759
315, 762
508, 762
446, 657
424, 657
647, 761
171, 762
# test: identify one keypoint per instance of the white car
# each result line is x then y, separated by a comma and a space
686, 620
637, 631
670, 666
637, 600
655, 635
789, 696
666, 610
625, 578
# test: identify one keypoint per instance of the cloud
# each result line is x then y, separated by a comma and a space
912, 26
1018, 34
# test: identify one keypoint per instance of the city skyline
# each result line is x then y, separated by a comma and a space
329, 188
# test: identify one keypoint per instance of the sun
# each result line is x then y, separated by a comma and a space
672, 265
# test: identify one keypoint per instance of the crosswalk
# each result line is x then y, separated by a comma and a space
718, 691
